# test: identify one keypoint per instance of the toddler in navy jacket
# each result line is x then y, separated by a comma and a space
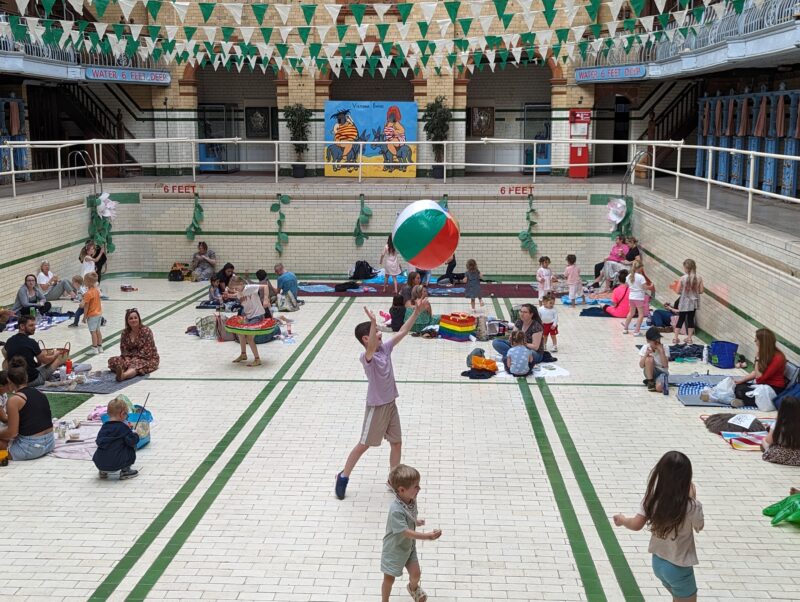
116, 443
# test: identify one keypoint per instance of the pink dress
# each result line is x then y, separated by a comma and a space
620, 300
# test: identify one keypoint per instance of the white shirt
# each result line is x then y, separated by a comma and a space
656, 355
548, 316
42, 279
545, 274
251, 302
87, 267
637, 288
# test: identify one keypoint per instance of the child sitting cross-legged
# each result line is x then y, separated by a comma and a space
519, 360
116, 443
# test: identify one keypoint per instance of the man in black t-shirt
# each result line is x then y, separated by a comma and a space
41, 364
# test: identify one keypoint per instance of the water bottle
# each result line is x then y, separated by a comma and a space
69, 366
33, 312
705, 354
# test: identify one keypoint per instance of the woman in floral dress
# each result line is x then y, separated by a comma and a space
139, 353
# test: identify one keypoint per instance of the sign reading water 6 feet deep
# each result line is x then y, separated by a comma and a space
129, 76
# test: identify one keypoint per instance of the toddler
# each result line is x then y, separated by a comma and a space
80, 291
397, 313
116, 443
549, 317
519, 359
473, 288
544, 278
93, 311
214, 292
400, 540
671, 510
572, 274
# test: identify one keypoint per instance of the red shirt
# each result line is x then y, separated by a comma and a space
773, 375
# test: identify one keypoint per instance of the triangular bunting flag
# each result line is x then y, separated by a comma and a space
358, 11
381, 10
284, 31
206, 8
181, 8
236, 11
258, 12
247, 33
428, 8
308, 12
404, 9
284, 10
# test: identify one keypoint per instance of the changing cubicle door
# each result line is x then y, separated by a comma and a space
537, 125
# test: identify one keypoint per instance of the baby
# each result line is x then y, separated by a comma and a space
116, 443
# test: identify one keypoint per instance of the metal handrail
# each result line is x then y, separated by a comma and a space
74, 158
629, 172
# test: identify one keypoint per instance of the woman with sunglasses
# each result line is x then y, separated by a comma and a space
139, 353
30, 296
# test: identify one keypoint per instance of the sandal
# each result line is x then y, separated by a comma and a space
255, 362
241, 358
418, 594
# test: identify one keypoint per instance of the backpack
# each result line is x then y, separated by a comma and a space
175, 276
363, 270
179, 272
345, 286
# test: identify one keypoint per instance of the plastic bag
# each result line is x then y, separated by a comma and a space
724, 391
763, 396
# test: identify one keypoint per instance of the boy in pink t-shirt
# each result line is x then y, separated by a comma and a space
572, 274
381, 419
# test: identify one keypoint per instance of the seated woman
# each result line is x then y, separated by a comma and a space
426, 317
619, 298
30, 296
413, 280
611, 268
29, 433
770, 364
617, 254
782, 444
204, 262
225, 275
531, 324
139, 353
52, 286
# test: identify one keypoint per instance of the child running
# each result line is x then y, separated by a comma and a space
549, 317
400, 540
671, 509
93, 311
572, 274
381, 420
638, 285
391, 264
116, 443
473, 288
690, 289
544, 278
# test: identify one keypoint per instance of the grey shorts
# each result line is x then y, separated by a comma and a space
30, 448
394, 566
656, 372
94, 323
45, 372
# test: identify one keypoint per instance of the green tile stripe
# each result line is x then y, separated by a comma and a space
619, 564
266, 233
577, 542
186, 528
728, 305
165, 312
39, 254
127, 562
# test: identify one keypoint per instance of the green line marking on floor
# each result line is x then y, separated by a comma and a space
497, 309
186, 528
159, 315
616, 557
126, 563
577, 542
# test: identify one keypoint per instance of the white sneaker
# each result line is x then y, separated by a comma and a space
554, 349
100, 349
96, 350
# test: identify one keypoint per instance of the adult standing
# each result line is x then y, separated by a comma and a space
52, 286
40, 363
30, 296
770, 365
287, 281
139, 353
29, 433
531, 324
204, 262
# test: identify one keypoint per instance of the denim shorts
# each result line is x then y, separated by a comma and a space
94, 323
30, 448
679, 580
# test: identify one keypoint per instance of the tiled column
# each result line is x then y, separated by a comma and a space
458, 129
421, 98
173, 109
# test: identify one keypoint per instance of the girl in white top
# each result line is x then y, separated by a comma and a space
90, 257
638, 285
248, 295
391, 264
671, 510
544, 278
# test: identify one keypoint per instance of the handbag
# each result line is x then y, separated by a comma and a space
56, 351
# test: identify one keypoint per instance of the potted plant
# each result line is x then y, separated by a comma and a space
437, 119
297, 118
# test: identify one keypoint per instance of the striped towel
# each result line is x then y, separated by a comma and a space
691, 389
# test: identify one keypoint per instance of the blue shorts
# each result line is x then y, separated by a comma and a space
94, 323
679, 580
30, 448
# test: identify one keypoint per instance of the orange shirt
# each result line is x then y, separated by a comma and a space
91, 301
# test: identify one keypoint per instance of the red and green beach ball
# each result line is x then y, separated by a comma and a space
425, 234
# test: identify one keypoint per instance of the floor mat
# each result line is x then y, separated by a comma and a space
104, 384
322, 289
693, 400
83, 448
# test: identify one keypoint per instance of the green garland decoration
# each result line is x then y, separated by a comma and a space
525, 238
100, 227
364, 216
282, 199
197, 216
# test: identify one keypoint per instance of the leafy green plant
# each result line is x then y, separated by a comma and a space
197, 217
525, 238
282, 199
437, 118
297, 119
364, 216
100, 227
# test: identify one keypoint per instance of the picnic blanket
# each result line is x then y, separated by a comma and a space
105, 383
444, 291
82, 449
589, 301
316, 288
595, 312
746, 441
690, 386
546, 371
378, 278
43, 324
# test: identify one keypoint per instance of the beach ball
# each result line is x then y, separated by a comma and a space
425, 234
